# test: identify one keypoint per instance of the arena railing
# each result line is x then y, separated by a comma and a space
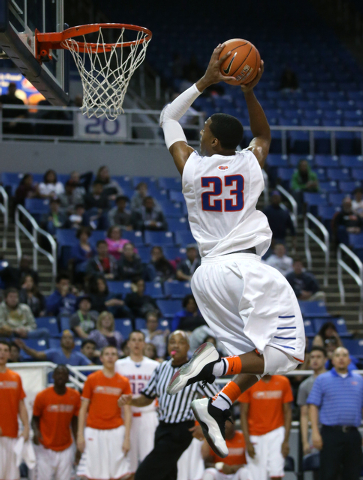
4, 209
22, 216
292, 203
324, 245
358, 278
100, 130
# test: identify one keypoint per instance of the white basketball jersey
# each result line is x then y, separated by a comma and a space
139, 375
221, 193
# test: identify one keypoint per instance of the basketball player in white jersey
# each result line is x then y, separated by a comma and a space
138, 369
249, 305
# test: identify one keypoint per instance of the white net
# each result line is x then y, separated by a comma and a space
106, 71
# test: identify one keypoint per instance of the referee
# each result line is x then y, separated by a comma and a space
176, 420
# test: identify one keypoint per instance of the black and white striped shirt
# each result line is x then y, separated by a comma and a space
175, 408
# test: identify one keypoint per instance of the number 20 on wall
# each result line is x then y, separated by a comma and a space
211, 203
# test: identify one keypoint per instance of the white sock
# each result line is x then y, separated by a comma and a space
220, 368
221, 402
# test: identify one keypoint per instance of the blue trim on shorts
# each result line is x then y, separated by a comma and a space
285, 328
286, 316
284, 346
286, 338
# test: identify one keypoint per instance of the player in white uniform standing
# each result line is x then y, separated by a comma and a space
138, 369
249, 305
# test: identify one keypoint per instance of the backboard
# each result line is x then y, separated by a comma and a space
18, 21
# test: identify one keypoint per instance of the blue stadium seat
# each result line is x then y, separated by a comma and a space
357, 173
138, 179
144, 254
50, 323
327, 161
348, 187
176, 196
169, 308
170, 183
339, 323
356, 240
321, 173
124, 182
336, 198
155, 290
294, 159
338, 174
37, 343
284, 176
175, 224
299, 142
124, 326
184, 238
96, 236
177, 289
140, 323
9, 178
117, 287
329, 187
277, 160
134, 236
313, 309
54, 343
159, 238
172, 253
354, 346
64, 323
171, 209
315, 199
37, 207
326, 212
66, 236
309, 328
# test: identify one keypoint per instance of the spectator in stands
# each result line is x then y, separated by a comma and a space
189, 318
103, 300
130, 266
105, 334
289, 80
80, 182
279, 220
199, 335
65, 355
327, 331
357, 203
346, 222
317, 364
154, 335
110, 187
303, 180
115, 242
118, 215
335, 403
139, 196
77, 219
26, 189
159, 269
280, 260
84, 320
83, 251
55, 218
138, 302
31, 296
102, 264
50, 187
71, 197
96, 204
331, 344
16, 319
61, 302
150, 351
14, 276
14, 114
187, 267
15, 356
88, 349
148, 217
304, 283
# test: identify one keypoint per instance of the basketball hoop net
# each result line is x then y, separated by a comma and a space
105, 68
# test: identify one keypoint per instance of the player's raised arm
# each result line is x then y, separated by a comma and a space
260, 143
175, 138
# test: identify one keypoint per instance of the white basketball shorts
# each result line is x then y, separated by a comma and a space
191, 464
142, 436
214, 474
104, 456
8, 468
52, 464
250, 305
268, 461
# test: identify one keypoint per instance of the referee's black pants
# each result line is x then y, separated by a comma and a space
341, 454
171, 440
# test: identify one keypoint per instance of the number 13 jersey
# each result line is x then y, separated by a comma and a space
221, 193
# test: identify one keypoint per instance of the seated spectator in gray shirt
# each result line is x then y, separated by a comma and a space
84, 320
187, 267
148, 217
304, 283
154, 335
280, 260
119, 216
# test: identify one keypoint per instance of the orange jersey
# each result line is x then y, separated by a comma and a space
236, 451
11, 392
266, 401
103, 393
56, 413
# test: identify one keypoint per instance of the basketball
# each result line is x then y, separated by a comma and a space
243, 63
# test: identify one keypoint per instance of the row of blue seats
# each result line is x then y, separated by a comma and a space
327, 161
323, 199
341, 174
313, 325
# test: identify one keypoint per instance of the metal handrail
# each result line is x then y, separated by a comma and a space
33, 237
266, 189
4, 209
342, 265
324, 245
292, 202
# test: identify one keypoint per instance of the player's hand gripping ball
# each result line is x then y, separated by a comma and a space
243, 63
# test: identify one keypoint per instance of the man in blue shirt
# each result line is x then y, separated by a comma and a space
337, 397
65, 355
61, 301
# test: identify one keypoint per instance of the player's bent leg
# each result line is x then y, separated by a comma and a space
44, 467
64, 463
8, 468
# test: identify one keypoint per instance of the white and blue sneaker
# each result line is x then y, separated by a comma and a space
212, 420
198, 369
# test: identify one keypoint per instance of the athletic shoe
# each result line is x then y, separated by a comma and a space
212, 420
199, 368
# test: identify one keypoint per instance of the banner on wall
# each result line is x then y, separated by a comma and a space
25, 90
101, 128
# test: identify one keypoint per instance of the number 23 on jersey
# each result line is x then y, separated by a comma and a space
210, 201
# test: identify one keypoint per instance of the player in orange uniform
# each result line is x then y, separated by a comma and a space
266, 423
233, 467
11, 404
55, 411
106, 437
